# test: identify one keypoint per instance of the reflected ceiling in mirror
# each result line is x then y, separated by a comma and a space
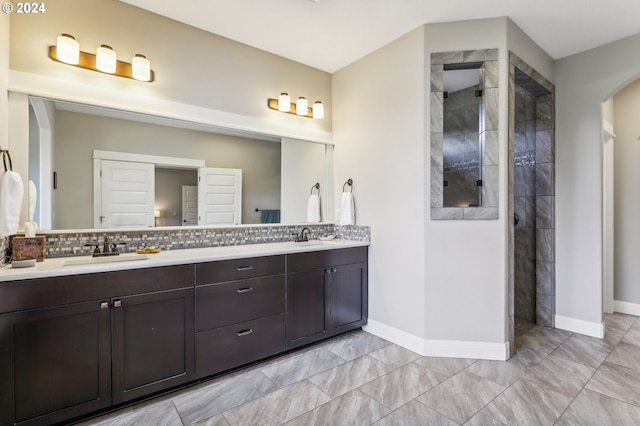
63, 137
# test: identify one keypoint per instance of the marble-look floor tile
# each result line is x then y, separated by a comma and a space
483, 420
299, 368
633, 335
350, 375
553, 336
278, 407
617, 382
594, 409
446, 366
402, 385
221, 395
354, 408
218, 420
354, 345
531, 349
504, 373
560, 374
394, 356
461, 396
626, 355
414, 413
528, 403
108, 419
159, 414
620, 322
589, 351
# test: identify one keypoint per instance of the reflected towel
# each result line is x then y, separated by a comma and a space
313, 208
270, 216
11, 192
347, 209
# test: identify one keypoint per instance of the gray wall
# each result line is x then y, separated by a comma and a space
583, 82
77, 135
169, 184
627, 193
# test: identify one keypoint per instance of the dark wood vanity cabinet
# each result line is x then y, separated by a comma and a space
93, 348
240, 312
326, 294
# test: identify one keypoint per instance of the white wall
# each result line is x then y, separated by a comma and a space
4, 78
627, 196
583, 82
379, 119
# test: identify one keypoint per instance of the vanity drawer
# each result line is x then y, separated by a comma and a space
235, 345
321, 259
232, 302
239, 269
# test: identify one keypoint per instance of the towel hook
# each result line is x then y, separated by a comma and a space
316, 186
348, 182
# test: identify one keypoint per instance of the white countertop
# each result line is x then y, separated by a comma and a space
59, 266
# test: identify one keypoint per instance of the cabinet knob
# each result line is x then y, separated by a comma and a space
104, 305
333, 270
327, 271
117, 303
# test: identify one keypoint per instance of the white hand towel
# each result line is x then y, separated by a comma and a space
11, 192
347, 209
313, 208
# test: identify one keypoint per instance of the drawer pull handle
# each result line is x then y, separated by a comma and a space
245, 290
244, 332
244, 268
117, 303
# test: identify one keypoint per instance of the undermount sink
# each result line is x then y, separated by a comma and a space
106, 259
311, 243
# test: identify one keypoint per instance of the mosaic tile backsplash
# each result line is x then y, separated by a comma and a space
65, 244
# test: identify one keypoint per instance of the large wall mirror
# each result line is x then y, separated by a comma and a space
464, 135
71, 145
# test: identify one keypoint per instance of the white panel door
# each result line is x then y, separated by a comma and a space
219, 196
189, 205
128, 193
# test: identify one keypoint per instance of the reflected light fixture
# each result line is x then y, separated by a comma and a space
106, 59
300, 107
67, 50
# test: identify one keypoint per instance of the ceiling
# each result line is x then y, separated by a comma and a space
330, 34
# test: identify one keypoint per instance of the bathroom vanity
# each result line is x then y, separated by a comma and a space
75, 340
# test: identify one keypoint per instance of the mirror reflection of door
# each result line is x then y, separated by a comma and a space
189, 205
127, 194
462, 148
219, 196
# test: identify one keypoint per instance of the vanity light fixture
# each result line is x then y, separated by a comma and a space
67, 50
106, 59
300, 107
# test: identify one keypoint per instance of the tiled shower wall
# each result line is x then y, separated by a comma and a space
461, 152
525, 204
64, 243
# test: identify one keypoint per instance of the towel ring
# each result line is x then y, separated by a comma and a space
5, 155
348, 182
316, 186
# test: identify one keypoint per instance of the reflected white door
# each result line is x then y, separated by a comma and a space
189, 205
219, 196
128, 192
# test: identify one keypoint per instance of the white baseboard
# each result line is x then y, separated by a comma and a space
626, 308
394, 335
439, 348
574, 325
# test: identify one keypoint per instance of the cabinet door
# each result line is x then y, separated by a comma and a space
153, 341
307, 307
56, 363
349, 298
